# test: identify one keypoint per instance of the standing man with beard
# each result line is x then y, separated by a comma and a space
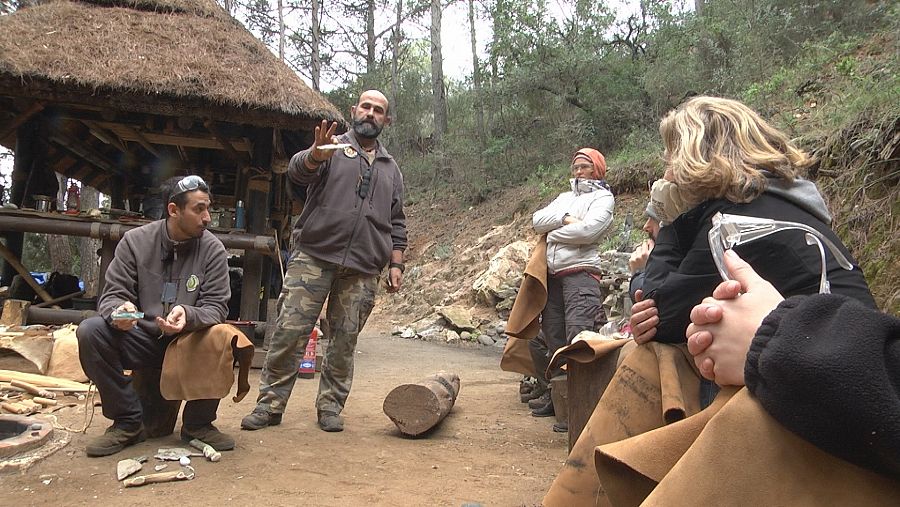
351, 228
175, 272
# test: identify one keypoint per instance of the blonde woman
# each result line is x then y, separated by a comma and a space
721, 156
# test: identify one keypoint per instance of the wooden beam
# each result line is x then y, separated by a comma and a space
13, 261
158, 105
109, 138
84, 152
126, 133
134, 135
226, 144
32, 110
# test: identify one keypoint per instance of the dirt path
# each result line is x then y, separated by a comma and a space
488, 451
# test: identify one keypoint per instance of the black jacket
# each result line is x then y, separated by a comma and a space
680, 271
828, 369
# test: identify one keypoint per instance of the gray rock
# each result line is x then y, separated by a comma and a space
458, 317
465, 336
485, 340
451, 336
408, 332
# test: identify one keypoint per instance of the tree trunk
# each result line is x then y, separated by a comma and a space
316, 36
416, 408
370, 41
281, 30
395, 61
87, 247
437, 75
60, 252
476, 78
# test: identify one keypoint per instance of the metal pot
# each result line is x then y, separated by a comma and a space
42, 203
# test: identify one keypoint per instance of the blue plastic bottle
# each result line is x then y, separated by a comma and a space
239, 215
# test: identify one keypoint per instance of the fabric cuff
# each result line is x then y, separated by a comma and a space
764, 334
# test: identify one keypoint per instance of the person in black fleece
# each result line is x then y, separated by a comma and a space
721, 156
825, 366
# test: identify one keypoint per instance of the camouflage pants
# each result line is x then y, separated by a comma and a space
308, 282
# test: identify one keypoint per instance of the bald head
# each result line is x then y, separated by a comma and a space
370, 115
376, 96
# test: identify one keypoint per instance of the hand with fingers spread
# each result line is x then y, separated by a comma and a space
324, 135
723, 326
644, 318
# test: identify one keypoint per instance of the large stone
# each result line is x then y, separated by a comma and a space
452, 336
458, 317
504, 270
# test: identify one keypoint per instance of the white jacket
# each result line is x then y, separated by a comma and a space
576, 245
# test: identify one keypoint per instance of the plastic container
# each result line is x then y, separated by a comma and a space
239, 218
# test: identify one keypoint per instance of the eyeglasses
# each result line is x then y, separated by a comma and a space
362, 186
729, 231
582, 167
189, 184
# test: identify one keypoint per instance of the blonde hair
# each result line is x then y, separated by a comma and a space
718, 147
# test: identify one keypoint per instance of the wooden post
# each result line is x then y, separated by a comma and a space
416, 408
107, 252
26, 146
255, 284
15, 312
585, 385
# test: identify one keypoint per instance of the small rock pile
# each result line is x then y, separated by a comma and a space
497, 288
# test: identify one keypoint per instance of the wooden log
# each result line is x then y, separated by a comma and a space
416, 408
586, 383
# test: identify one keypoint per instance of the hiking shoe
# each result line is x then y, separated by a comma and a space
331, 422
114, 440
535, 393
208, 434
540, 402
561, 427
259, 419
545, 411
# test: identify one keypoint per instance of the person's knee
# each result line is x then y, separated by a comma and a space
89, 330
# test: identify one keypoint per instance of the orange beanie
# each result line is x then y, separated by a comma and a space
596, 159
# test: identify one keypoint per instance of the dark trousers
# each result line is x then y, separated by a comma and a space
574, 304
105, 352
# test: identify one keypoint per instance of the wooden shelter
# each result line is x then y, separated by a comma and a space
123, 94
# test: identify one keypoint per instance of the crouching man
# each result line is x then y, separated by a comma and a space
175, 272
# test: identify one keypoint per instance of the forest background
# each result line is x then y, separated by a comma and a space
547, 77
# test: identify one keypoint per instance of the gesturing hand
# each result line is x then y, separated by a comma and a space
638, 259
723, 326
324, 135
174, 321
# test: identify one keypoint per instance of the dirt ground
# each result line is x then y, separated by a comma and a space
488, 451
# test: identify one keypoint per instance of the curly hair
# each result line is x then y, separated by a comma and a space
719, 147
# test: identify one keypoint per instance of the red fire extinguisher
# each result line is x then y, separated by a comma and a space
73, 199
308, 364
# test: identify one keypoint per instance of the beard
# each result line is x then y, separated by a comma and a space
367, 129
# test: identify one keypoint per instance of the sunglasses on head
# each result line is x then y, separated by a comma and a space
189, 184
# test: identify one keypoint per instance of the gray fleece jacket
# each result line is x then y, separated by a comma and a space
339, 226
146, 259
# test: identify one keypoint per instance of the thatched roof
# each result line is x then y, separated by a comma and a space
187, 51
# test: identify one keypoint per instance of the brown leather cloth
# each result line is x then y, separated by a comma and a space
733, 453
656, 384
200, 365
524, 323
523, 319
588, 351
